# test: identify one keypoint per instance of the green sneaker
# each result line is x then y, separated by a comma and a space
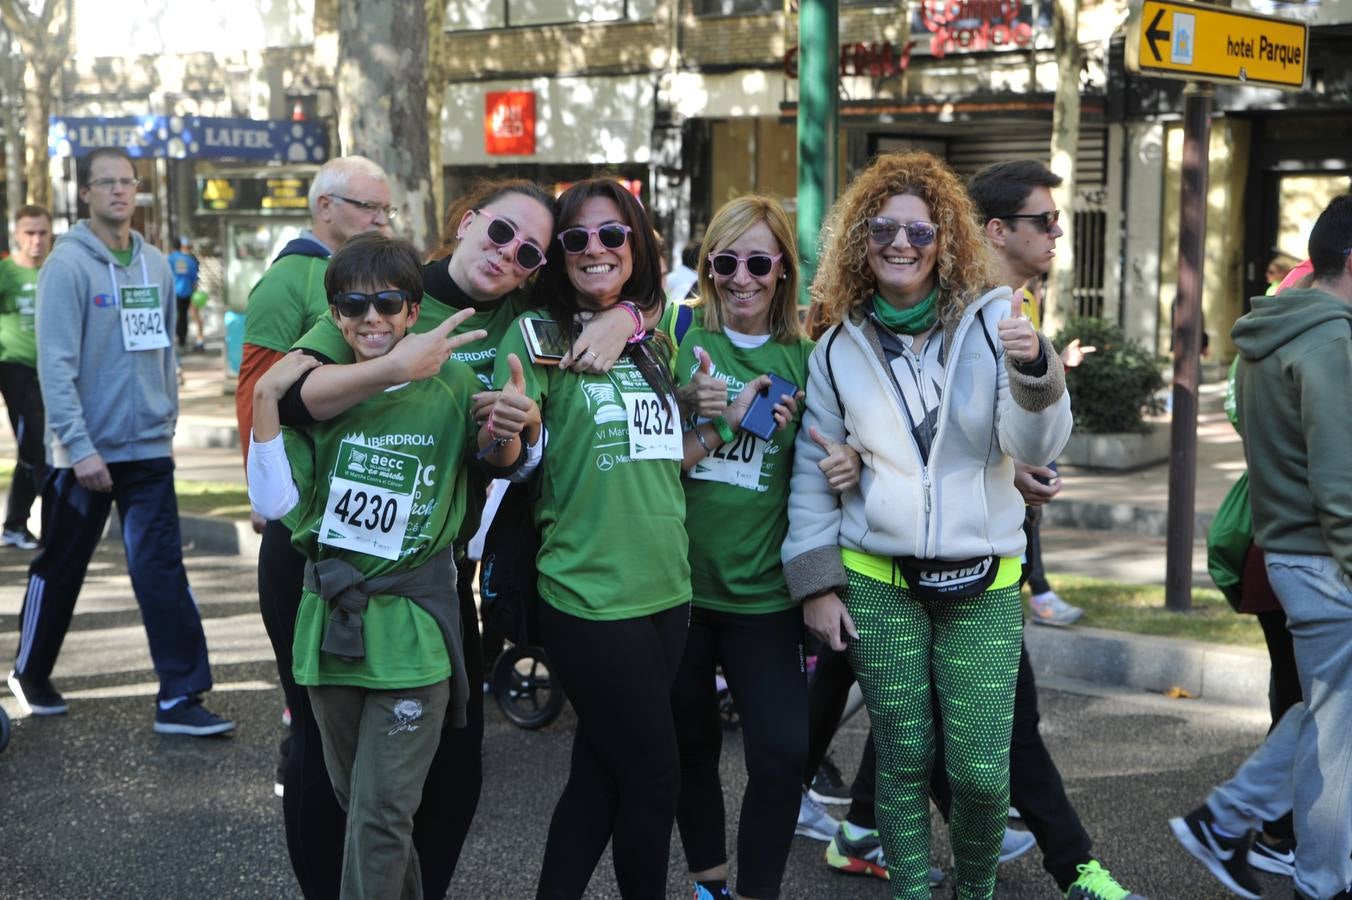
1097, 883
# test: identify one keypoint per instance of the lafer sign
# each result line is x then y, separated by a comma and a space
509, 123
1194, 41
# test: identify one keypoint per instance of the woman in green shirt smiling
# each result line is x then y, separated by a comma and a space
612, 563
737, 494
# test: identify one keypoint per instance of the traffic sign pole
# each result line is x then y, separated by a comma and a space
818, 124
1187, 345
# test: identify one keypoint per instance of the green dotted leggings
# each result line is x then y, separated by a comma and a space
970, 649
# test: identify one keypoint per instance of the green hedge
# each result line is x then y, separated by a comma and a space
1115, 387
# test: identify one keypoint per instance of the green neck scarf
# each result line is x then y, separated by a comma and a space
915, 320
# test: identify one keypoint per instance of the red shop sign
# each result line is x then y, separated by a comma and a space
509, 123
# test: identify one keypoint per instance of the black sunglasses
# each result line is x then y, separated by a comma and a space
1044, 220
612, 236
353, 304
757, 264
883, 231
502, 232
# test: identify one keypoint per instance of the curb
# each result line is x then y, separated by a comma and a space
1217, 673
219, 537
1124, 518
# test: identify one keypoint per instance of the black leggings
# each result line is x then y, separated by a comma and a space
623, 781
762, 659
23, 402
313, 819
827, 694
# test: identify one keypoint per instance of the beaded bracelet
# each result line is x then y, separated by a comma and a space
699, 436
639, 331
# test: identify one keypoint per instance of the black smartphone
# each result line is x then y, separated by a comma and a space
545, 340
760, 418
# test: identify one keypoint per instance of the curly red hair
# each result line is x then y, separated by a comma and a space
965, 269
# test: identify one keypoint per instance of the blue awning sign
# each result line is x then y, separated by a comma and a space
191, 137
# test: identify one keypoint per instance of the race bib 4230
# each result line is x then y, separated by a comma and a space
142, 318
370, 496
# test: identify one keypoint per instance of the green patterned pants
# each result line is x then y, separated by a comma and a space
969, 650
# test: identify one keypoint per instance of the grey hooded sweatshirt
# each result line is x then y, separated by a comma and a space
100, 397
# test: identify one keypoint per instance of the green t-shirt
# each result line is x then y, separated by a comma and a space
390, 479
612, 527
18, 306
494, 318
123, 257
286, 302
737, 498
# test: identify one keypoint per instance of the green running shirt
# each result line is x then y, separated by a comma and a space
737, 498
18, 310
392, 479
612, 528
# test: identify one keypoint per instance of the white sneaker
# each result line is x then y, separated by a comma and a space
814, 821
21, 539
1015, 844
1049, 609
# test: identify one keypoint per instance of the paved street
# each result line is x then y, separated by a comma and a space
94, 804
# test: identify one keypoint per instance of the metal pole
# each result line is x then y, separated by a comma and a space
1187, 345
818, 125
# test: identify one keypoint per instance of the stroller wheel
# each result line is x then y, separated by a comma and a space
4, 730
526, 689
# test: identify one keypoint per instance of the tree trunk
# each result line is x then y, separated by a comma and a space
382, 104
45, 40
438, 64
1060, 302
37, 108
13, 87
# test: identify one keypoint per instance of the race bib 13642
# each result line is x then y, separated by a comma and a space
143, 326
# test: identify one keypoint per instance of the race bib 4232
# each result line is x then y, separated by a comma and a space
654, 432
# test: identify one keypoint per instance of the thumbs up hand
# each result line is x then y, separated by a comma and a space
705, 395
513, 411
841, 465
1018, 337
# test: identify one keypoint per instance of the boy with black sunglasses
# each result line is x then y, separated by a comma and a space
377, 495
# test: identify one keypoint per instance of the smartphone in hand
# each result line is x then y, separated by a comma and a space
760, 418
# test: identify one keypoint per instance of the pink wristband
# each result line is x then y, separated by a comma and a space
639, 332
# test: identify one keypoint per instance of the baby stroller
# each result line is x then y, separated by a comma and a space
522, 681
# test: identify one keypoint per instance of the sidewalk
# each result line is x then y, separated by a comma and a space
1104, 525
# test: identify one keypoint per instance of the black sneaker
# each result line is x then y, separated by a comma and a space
190, 717
1278, 858
827, 785
36, 696
1225, 857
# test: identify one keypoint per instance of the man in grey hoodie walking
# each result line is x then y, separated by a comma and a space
107, 370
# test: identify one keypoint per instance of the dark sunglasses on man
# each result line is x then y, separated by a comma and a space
883, 231
502, 232
1045, 220
757, 264
612, 236
354, 304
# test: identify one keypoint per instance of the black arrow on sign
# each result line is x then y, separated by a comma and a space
1153, 33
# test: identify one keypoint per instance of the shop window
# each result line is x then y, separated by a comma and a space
736, 7
461, 16
1090, 233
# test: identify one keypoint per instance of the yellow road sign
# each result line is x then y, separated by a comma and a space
1195, 41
